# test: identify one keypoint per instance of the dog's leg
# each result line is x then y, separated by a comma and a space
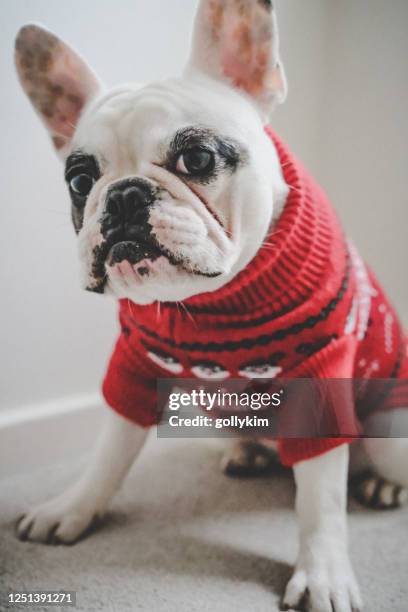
65, 518
323, 580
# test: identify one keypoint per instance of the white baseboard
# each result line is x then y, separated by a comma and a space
35, 435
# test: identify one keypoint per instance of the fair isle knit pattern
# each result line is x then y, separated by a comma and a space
306, 306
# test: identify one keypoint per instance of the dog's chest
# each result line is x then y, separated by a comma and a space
173, 341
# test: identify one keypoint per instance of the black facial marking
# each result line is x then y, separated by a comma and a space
98, 273
112, 252
227, 153
133, 253
230, 152
99, 288
80, 164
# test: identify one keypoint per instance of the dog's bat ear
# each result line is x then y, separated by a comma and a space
238, 41
58, 82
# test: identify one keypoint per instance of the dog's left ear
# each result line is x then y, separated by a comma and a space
57, 80
237, 41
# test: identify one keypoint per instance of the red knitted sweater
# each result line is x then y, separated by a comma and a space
308, 307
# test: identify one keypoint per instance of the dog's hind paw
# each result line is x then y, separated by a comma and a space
247, 458
372, 491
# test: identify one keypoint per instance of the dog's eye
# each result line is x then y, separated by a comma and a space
196, 160
81, 184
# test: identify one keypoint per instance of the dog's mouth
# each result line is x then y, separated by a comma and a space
141, 256
170, 237
132, 252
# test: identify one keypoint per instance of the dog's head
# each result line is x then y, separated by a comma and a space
173, 185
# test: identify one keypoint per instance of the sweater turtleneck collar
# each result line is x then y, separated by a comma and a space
290, 265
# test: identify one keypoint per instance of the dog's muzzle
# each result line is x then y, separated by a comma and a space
124, 223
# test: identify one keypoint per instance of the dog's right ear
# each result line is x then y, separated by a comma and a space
57, 81
237, 41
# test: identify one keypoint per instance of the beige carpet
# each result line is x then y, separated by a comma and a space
182, 537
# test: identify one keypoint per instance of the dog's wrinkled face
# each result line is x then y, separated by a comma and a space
168, 203
173, 185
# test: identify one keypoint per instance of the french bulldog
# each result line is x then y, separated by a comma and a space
160, 177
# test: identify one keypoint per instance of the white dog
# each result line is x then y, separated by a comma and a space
174, 189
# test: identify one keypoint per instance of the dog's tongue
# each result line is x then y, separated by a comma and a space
131, 252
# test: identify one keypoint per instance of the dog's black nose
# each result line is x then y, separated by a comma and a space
126, 208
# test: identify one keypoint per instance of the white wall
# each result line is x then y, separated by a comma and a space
54, 338
346, 62
346, 116
364, 145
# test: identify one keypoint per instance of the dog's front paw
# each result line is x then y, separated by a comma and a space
323, 581
62, 520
